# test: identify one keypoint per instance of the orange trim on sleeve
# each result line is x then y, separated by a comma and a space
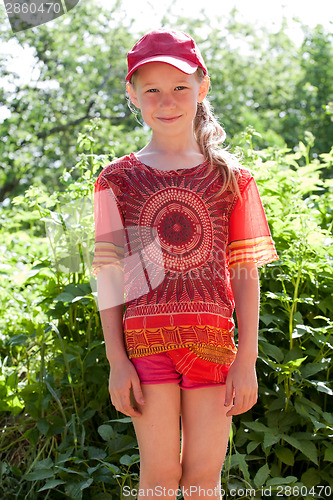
260, 250
106, 254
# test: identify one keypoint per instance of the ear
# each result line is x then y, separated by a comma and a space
204, 87
132, 94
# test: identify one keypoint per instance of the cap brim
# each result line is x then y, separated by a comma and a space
184, 66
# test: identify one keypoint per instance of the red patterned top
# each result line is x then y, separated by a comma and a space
176, 237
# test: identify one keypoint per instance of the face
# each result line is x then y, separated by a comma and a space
167, 97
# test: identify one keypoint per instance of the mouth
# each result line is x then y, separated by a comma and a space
169, 119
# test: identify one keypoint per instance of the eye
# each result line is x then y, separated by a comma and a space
180, 87
152, 91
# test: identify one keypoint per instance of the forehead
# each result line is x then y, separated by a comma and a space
157, 71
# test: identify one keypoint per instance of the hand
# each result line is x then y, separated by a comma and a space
241, 387
125, 388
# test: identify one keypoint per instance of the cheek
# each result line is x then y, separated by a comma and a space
188, 99
147, 103
190, 103
147, 108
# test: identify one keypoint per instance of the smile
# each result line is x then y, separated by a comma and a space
169, 119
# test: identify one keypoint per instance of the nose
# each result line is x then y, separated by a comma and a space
167, 101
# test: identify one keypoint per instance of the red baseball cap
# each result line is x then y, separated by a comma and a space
167, 46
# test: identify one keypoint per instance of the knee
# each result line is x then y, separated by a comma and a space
201, 475
164, 475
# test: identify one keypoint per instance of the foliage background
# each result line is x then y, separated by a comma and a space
60, 436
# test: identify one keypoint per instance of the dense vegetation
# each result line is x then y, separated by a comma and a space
258, 78
61, 438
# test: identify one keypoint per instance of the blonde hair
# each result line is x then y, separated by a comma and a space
209, 135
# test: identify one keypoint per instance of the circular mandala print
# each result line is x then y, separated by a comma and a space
175, 230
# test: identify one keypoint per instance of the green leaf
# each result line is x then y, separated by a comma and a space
71, 292
43, 464
106, 432
272, 351
113, 468
240, 460
65, 297
39, 474
296, 363
43, 426
257, 427
63, 457
267, 318
328, 418
321, 387
270, 439
295, 354
121, 443
96, 453
310, 406
308, 448
129, 460
51, 484
74, 489
311, 478
252, 445
261, 476
317, 425
275, 481
125, 420
285, 455
278, 404
328, 456
18, 340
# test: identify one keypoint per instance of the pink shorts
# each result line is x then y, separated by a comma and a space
161, 369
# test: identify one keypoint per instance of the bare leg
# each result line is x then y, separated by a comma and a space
205, 433
158, 435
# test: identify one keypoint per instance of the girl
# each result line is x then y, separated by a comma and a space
180, 231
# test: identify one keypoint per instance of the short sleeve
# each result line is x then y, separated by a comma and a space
249, 235
109, 226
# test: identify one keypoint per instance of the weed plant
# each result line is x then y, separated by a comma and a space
60, 436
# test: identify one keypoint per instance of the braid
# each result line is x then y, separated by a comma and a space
209, 134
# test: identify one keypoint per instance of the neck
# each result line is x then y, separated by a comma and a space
173, 145
171, 155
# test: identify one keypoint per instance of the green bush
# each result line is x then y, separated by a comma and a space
61, 438
283, 444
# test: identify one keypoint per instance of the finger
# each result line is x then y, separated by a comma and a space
250, 400
243, 403
130, 405
229, 393
236, 409
136, 389
130, 411
137, 392
124, 406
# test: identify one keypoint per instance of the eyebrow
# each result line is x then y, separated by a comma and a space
156, 84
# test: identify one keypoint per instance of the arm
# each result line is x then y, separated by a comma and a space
241, 382
124, 383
